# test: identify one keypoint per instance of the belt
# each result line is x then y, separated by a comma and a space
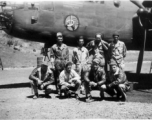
60, 59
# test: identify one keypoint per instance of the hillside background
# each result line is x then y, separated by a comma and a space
16, 52
19, 53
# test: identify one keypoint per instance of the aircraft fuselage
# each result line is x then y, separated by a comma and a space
41, 21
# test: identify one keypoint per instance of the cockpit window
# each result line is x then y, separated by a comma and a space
3, 4
49, 6
33, 6
12, 4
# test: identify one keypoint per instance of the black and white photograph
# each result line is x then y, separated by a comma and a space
75, 59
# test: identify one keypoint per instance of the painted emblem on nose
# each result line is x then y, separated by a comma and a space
71, 23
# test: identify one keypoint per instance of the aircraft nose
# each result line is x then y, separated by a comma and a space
6, 16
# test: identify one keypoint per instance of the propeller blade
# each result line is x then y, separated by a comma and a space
138, 3
141, 54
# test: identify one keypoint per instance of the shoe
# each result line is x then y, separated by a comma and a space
124, 97
82, 92
35, 97
60, 93
47, 96
101, 95
89, 99
118, 96
67, 94
77, 96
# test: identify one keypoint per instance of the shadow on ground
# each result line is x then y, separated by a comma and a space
40, 96
94, 98
15, 85
142, 91
143, 81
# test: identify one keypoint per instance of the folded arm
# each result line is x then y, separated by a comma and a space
33, 75
120, 79
49, 79
102, 76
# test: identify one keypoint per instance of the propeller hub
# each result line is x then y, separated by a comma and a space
142, 13
116, 3
145, 17
3, 4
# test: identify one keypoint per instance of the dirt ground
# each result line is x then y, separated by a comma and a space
16, 101
16, 98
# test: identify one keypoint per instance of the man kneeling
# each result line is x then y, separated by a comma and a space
95, 78
42, 78
117, 83
69, 81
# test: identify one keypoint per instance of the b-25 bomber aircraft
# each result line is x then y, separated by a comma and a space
40, 21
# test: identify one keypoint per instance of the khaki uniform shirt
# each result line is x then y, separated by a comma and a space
100, 49
47, 78
61, 52
117, 51
80, 55
65, 77
119, 77
97, 76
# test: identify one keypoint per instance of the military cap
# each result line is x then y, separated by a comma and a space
115, 34
68, 63
113, 62
89, 62
81, 38
96, 60
102, 63
44, 63
99, 35
59, 34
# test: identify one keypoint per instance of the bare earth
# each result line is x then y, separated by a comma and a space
16, 100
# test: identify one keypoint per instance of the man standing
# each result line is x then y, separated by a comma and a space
117, 51
44, 52
118, 81
98, 47
95, 78
69, 81
80, 54
80, 59
42, 78
59, 55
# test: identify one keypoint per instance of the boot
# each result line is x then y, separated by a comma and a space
101, 95
89, 98
124, 97
35, 96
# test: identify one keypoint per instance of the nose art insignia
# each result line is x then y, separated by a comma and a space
71, 23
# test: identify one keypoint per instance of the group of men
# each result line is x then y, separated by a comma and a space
98, 66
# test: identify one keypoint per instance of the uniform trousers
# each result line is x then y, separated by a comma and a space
47, 89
